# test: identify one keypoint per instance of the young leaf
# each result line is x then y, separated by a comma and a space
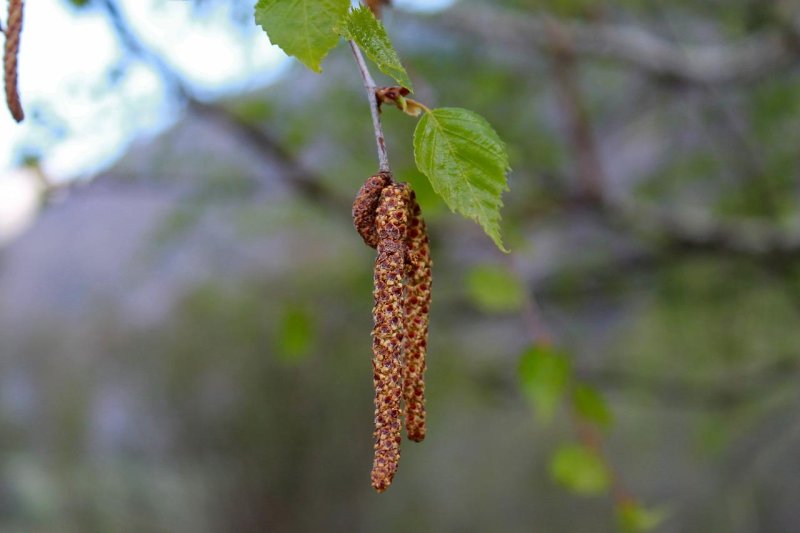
580, 470
545, 375
362, 27
591, 406
466, 163
494, 289
302, 28
634, 518
296, 334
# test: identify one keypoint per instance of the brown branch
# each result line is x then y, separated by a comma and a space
301, 179
369, 86
590, 169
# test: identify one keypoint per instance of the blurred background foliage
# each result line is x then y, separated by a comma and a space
186, 337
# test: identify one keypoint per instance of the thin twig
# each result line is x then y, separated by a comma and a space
531, 312
369, 85
588, 435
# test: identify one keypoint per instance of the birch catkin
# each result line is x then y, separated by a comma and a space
366, 205
11, 50
417, 305
391, 221
388, 217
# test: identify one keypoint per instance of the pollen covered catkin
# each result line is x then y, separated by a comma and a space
10, 52
391, 219
417, 305
365, 207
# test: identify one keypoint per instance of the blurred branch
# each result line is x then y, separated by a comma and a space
698, 229
702, 65
305, 182
742, 62
590, 169
746, 158
138, 48
532, 317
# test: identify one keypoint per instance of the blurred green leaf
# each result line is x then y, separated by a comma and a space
580, 470
633, 518
591, 405
494, 289
302, 28
544, 375
296, 334
771, 104
362, 27
466, 163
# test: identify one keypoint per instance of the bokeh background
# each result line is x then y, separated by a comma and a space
185, 309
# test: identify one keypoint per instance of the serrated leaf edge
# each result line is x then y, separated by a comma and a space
430, 115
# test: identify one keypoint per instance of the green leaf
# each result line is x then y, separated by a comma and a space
494, 289
580, 470
369, 34
591, 405
466, 163
296, 334
634, 518
304, 29
544, 375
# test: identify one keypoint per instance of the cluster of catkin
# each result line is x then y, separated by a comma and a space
388, 218
10, 52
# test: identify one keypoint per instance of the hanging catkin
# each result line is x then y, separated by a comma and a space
389, 331
417, 305
388, 217
366, 205
13, 30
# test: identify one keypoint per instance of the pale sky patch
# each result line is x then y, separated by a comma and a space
80, 118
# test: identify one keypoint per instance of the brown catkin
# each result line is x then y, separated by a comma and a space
13, 30
365, 207
417, 306
391, 221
